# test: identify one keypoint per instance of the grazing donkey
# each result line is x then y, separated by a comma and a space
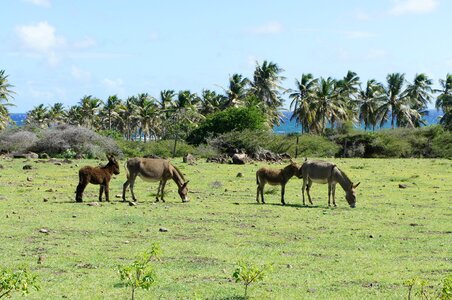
154, 169
274, 177
96, 175
324, 172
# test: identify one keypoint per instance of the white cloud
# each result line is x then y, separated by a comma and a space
45, 3
86, 42
114, 86
375, 54
362, 15
80, 74
40, 37
268, 28
358, 34
402, 7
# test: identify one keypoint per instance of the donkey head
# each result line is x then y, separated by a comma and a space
183, 191
350, 195
114, 164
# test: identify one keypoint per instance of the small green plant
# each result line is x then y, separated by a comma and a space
140, 274
247, 273
17, 280
426, 291
446, 292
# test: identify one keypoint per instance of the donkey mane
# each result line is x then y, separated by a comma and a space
179, 172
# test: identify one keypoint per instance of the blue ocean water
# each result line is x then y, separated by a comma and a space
288, 126
18, 118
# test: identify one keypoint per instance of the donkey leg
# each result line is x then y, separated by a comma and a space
283, 190
107, 190
132, 184
257, 194
333, 192
101, 191
308, 188
161, 191
79, 193
302, 190
329, 193
158, 192
262, 194
124, 188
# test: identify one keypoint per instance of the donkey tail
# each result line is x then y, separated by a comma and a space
257, 179
126, 169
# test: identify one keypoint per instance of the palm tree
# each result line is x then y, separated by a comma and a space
146, 112
5, 95
444, 101
211, 102
326, 104
301, 101
110, 110
419, 95
369, 99
56, 114
75, 115
127, 113
392, 98
38, 116
348, 90
90, 106
236, 92
266, 86
184, 115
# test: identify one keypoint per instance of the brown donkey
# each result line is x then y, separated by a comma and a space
274, 177
96, 175
154, 169
324, 172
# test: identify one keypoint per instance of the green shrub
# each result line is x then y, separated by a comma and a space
231, 119
248, 273
162, 148
17, 280
442, 145
389, 145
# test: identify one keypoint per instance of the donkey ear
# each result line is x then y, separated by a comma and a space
185, 183
356, 185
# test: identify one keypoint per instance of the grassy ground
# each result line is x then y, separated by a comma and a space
317, 252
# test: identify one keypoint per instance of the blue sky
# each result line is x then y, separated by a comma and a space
59, 51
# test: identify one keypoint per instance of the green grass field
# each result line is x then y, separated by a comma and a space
317, 252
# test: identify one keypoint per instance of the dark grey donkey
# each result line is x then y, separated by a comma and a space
325, 172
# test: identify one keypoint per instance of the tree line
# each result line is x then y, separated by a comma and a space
316, 103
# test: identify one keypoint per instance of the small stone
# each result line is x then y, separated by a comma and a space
74, 216
45, 199
27, 167
126, 242
40, 259
29, 178
132, 203
240, 174
163, 229
402, 186
43, 230
289, 266
93, 204
371, 236
118, 196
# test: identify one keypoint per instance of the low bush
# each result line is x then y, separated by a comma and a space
17, 140
162, 148
64, 139
233, 119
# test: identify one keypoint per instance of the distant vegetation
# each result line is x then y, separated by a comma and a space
324, 107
